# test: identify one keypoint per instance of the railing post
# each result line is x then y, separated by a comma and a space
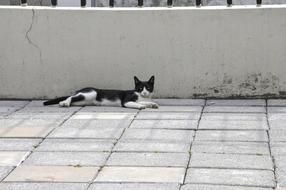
54, 3
82, 3
140, 3
229, 3
198, 3
111, 3
24, 2
169, 3
258, 2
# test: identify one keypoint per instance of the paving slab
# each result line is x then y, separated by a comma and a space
43, 186
133, 186
277, 116
52, 174
278, 148
4, 111
259, 178
235, 116
255, 148
277, 124
18, 144
25, 132
151, 146
235, 109
107, 109
71, 145
280, 161
149, 159
67, 159
276, 102
87, 132
219, 187
242, 102
231, 161
164, 124
233, 125
141, 174
4, 171
180, 102
276, 109
280, 188
277, 135
168, 115
103, 115
48, 116
8, 158
281, 179
175, 109
234, 135
48, 109
30, 122
100, 123
37, 106
158, 134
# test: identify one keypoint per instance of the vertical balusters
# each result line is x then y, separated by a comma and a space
111, 3
23, 2
82, 3
258, 2
140, 3
169, 3
54, 3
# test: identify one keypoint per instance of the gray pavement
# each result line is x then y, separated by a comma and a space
186, 144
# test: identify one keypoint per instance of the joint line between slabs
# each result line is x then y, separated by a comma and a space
114, 144
191, 145
270, 151
20, 108
42, 140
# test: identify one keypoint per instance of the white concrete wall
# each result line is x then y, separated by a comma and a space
211, 51
5, 2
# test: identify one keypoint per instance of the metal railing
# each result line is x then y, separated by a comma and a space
140, 3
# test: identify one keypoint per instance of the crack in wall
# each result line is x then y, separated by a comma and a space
29, 38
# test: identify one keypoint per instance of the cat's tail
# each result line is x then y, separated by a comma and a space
55, 101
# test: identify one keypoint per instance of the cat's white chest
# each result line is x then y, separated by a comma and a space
142, 99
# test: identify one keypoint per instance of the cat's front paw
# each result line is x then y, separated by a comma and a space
64, 104
154, 106
141, 107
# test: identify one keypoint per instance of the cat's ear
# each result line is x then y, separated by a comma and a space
136, 80
151, 80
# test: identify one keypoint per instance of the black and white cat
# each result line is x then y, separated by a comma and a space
139, 98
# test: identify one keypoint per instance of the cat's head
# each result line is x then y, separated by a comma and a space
145, 88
